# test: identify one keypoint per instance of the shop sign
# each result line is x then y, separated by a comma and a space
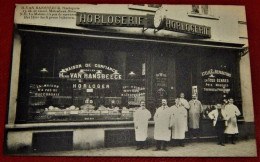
184, 27
161, 80
147, 21
216, 81
90, 86
42, 90
162, 22
213, 72
99, 19
133, 91
90, 71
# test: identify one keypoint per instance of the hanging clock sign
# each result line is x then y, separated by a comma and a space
159, 18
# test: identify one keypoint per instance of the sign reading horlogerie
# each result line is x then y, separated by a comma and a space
184, 27
98, 19
147, 21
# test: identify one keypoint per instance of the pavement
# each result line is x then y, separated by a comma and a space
243, 148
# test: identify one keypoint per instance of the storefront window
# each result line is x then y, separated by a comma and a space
82, 83
217, 76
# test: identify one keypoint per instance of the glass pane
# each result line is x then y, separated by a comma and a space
205, 9
195, 8
84, 83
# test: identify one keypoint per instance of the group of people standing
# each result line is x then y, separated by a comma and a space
171, 123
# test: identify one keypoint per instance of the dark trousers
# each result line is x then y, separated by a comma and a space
194, 132
220, 128
140, 144
160, 143
232, 138
178, 142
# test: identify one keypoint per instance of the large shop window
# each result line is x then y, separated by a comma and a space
91, 81
219, 79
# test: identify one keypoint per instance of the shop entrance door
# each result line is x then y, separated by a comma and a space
184, 76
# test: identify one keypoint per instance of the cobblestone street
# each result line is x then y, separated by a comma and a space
245, 148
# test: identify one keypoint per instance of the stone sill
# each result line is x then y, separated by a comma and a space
203, 16
67, 124
76, 124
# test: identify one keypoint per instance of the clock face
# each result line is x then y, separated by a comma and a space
158, 18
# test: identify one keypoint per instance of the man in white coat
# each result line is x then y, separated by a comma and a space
183, 101
162, 126
178, 122
141, 118
194, 116
232, 112
219, 118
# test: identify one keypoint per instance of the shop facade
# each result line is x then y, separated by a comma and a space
80, 82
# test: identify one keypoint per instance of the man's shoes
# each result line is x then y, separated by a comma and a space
182, 144
233, 142
138, 148
156, 149
222, 144
165, 149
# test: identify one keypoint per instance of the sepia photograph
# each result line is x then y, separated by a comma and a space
130, 80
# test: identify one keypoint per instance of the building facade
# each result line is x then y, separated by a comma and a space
80, 71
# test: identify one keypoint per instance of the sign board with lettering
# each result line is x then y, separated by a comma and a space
147, 21
189, 28
216, 81
100, 19
135, 93
161, 80
90, 71
44, 90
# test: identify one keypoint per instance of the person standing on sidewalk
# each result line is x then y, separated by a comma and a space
219, 118
232, 112
162, 126
178, 122
183, 101
141, 118
194, 116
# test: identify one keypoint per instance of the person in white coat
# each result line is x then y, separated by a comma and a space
141, 118
194, 116
232, 111
219, 118
183, 101
162, 126
179, 122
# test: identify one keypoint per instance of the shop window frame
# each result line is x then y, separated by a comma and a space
25, 116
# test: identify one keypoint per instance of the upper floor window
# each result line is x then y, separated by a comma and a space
145, 7
202, 11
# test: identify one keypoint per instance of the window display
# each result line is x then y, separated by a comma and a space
83, 84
